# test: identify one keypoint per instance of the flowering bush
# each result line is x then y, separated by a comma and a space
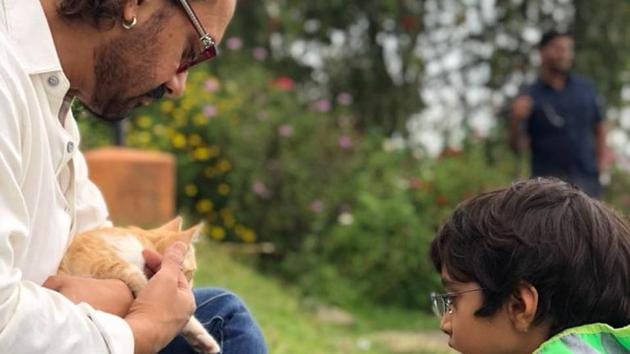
350, 212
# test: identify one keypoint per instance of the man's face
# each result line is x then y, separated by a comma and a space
138, 66
558, 54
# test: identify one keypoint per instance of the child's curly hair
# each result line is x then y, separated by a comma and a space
573, 249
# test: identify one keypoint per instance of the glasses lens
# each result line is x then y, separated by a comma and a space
438, 305
207, 54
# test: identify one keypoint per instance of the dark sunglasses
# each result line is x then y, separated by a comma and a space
209, 46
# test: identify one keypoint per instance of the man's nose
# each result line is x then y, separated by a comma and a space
176, 85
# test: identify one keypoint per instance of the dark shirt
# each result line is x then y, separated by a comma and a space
561, 129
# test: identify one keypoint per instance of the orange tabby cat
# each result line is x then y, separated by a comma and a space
116, 253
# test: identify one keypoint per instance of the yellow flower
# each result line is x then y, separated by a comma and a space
248, 236
217, 233
167, 106
224, 165
200, 119
223, 189
229, 222
186, 104
159, 129
143, 138
178, 140
195, 140
204, 206
143, 121
201, 154
180, 117
228, 218
209, 172
191, 190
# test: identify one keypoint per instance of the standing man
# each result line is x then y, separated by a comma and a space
561, 116
112, 55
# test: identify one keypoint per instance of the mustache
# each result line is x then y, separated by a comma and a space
157, 93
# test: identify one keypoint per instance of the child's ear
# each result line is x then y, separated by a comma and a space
522, 306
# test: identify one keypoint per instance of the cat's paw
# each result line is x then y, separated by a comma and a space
204, 343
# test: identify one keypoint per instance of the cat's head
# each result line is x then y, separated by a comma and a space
171, 232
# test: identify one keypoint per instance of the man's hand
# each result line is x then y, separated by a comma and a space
109, 295
152, 262
522, 107
164, 306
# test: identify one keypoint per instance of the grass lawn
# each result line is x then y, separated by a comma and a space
292, 327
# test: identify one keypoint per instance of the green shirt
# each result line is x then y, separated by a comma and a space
594, 338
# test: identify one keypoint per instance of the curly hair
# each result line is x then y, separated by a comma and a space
572, 248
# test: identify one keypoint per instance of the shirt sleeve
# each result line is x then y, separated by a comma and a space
34, 319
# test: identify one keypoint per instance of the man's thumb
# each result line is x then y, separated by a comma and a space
175, 254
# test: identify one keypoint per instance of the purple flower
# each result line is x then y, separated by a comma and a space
261, 190
259, 53
209, 111
212, 85
344, 98
345, 142
316, 206
285, 130
234, 43
322, 105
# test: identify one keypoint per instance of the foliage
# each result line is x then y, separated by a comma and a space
366, 48
290, 322
273, 149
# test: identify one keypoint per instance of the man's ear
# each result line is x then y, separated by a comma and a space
130, 10
522, 306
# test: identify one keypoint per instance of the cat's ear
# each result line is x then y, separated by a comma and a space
173, 225
192, 234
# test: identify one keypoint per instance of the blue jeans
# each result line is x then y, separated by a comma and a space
225, 316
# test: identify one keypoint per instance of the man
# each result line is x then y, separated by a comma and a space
112, 55
562, 118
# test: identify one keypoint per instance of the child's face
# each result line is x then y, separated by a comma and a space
470, 334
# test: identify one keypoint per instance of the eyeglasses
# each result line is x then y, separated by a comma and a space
209, 46
443, 303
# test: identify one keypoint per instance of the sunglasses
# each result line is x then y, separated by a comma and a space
209, 46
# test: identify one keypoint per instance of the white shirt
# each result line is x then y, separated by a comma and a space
45, 197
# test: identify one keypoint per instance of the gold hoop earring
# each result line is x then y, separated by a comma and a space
129, 24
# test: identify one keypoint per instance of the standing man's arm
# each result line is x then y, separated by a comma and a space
600, 145
519, 113
599, 131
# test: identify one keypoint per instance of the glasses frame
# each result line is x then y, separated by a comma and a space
208, 43
442, 304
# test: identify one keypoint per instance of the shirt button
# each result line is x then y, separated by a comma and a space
70, 147
53, 80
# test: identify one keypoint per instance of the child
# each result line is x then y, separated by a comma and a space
535, 268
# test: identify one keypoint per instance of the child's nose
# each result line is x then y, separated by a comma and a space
445, 324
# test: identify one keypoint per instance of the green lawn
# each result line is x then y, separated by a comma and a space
292, 326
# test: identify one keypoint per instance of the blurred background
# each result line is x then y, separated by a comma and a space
329, 140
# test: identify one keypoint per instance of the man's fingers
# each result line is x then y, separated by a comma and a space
152, 262
53, 283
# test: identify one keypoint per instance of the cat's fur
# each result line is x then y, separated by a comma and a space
116, 253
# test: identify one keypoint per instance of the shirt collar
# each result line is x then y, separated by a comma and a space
570, 78
28, 27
